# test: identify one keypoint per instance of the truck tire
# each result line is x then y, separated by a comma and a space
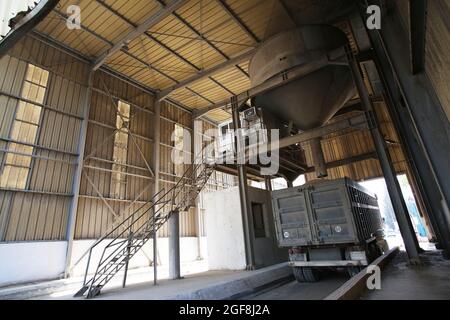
310, 274
298, 274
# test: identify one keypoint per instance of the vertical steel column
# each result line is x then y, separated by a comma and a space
174, 246
156, 153
268, 183
243, 187
318, 158
71, 220
411, 98
395, 193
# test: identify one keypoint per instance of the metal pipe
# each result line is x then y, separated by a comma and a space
393, 186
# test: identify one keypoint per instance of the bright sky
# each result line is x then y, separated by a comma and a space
9, 8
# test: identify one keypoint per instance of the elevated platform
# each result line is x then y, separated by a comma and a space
214, 285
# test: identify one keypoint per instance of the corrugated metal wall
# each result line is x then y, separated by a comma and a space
39, 212
171, 116
98, 207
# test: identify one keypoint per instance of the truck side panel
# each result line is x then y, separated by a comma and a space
293, 223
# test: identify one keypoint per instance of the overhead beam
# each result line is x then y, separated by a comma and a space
81, 57
143, 27
358, 122
418, 23
97, 36
132, 56
347, 161
238, 20
206, 73
147, 34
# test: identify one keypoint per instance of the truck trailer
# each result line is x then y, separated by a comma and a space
328, 224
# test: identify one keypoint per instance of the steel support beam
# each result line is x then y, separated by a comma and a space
206, 73
156, 156
393, 186
420, 120
202, 37
161, 44
238, 20
143, 27
174, 246
356, 122
71, 220
243, 189
417, 26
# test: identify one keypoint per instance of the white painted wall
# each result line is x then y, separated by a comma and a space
143, 258
34, 261
224, 230
31, 261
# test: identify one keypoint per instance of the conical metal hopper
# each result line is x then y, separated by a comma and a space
313, 99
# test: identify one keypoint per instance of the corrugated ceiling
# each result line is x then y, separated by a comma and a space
197, 36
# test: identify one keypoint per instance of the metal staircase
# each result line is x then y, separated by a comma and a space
127, 238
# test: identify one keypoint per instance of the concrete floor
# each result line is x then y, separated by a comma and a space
204, 285
65, 288
401, 281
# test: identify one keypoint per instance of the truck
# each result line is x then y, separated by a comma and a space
328, 224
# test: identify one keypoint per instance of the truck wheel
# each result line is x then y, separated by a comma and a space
298, 274
353, 271
310, 274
